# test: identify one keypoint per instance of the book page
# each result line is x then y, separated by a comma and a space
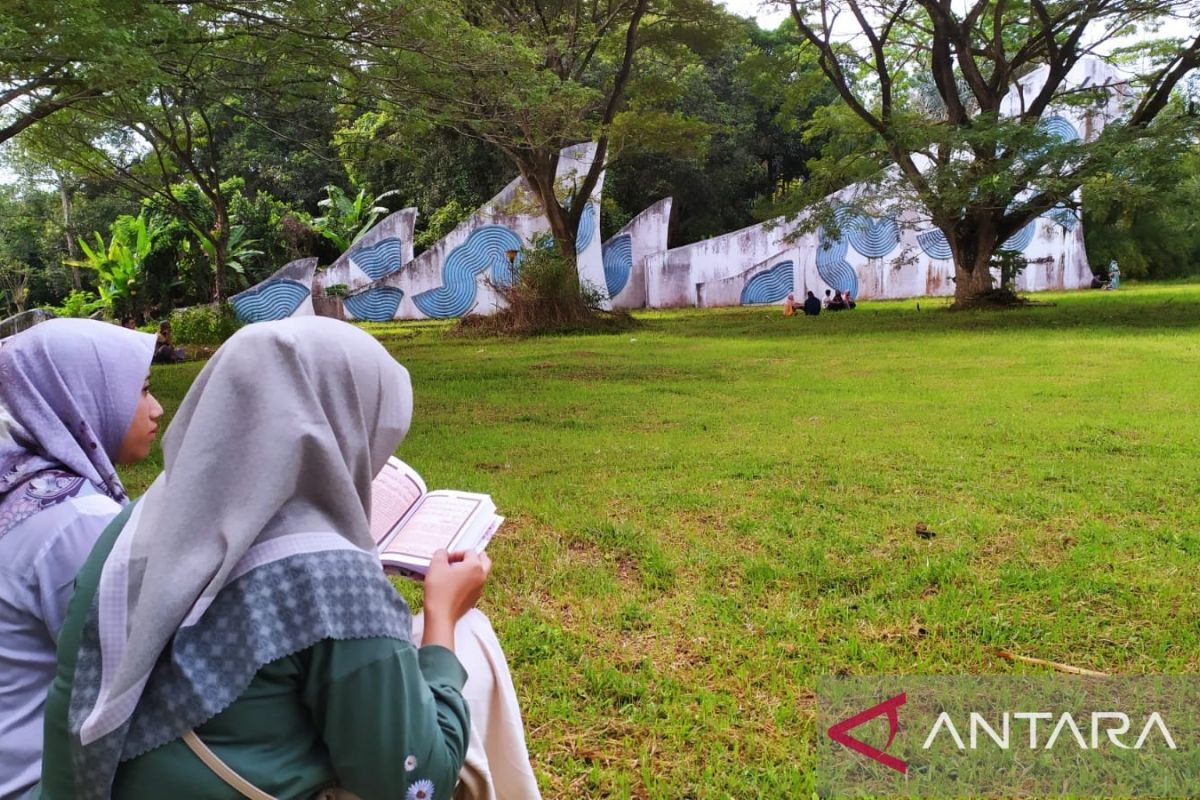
393, 492
436, 523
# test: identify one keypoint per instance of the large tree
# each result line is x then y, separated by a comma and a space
931, 84
528, 77
185, 117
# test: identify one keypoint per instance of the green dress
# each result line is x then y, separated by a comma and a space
377, 716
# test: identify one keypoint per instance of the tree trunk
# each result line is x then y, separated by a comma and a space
972, 251
540, 178
69, 229
220, 241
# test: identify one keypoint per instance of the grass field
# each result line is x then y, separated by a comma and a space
707, 512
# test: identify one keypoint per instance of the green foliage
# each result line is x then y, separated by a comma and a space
280, 228
79, 304
1010, 263
238, 248
204, 325
746, 98
1144, 215
337, 290
545, 295
33, 247
118, 266
441, 222
346, 219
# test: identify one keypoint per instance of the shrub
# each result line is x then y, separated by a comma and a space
546, 296
204, 325
79, 304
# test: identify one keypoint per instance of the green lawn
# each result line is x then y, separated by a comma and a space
706, 513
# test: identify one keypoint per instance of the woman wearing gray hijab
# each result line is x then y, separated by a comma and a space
74, 401
233, 634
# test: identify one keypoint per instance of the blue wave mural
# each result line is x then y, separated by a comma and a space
277, 299
617, 254
771, 285
873, 238
1065, 218
377, 304
379, 259
832, 265
1061, 128
586, 229
933, 244
484, 249
1021, 239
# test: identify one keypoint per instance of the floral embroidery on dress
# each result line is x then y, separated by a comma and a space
420, 790
410, 763
53, 485
39, 492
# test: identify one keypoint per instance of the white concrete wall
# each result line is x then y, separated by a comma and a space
345, 272
648, 237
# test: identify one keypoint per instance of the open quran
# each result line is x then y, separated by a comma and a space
409, 523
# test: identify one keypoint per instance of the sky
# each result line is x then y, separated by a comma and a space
769, 15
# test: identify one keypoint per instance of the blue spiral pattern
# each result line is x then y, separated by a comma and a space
377, 304
484, 248
832, 265
379, 259
873, 238
617, 255
1060, 128
1021, 239
276, 299
771, 285
934, 244
1065, 218
586, 229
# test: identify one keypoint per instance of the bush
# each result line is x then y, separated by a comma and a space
546, 296
79, 304
204, 325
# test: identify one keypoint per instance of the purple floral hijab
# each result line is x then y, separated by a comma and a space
69, 389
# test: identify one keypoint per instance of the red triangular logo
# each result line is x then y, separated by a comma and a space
839, 732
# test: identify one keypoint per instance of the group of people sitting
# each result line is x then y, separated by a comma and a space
812, 306
1110, 281
231, 633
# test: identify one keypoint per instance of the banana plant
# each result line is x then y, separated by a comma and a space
347, 220
119, 264
238, 248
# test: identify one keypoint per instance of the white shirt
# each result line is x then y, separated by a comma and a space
39, 560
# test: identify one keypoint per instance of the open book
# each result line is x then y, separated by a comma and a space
409, 522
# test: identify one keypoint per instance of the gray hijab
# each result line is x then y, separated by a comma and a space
267, 480
71, 387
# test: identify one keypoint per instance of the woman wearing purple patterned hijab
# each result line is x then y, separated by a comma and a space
74, 402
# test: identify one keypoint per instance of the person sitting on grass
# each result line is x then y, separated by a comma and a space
75, 401
837, 303
812, 306
849, 301
789, 305
165, 351
250, 636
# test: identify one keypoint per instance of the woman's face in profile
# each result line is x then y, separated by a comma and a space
140, 436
